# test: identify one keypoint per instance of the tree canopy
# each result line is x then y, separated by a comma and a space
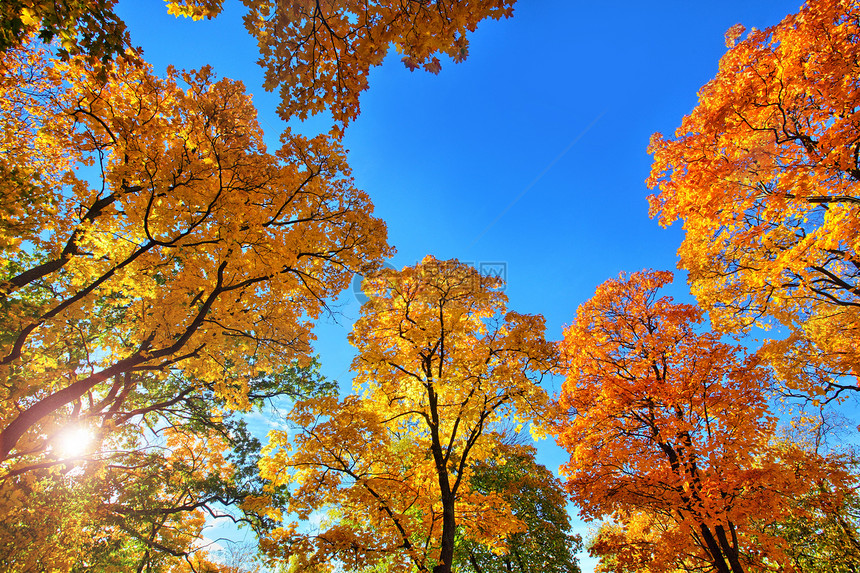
162, 271
89, 27
195, 249
319, 54
764, 174
670, 425
154, 257
439, 361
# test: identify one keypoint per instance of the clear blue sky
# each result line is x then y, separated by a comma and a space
532, 153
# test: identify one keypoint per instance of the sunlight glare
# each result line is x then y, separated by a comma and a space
74, 441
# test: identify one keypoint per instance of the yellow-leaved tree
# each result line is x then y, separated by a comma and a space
440, 361
160, 268
194, 249
764, 174
157, 263
318, 53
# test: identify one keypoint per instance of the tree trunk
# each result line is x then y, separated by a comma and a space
714, 549
449, 522
730, 551
449, 527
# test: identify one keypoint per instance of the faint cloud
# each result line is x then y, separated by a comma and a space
538, 178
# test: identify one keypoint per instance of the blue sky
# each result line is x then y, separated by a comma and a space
532, 153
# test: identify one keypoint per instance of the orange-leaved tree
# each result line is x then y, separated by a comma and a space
665, 420
764, 174
181, 244
819, 528
440, 362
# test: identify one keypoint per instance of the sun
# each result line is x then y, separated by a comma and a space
74, 441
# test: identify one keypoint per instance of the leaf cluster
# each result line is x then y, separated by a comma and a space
764, 174
440, 362
537, 498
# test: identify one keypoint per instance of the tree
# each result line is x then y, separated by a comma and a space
439, 362
536, 498
764, 174
195, 250
664, 421
153, 252
318, 53
138, 498
818, 531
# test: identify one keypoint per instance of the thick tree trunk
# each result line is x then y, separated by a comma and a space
730, 551
714, 549
449, 527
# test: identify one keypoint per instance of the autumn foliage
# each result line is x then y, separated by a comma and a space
195, 249
318, 54
161, 269
78, 27
665, 422
161, 272
537, 498
440, 363
764, 174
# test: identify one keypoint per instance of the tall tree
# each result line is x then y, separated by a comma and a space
764, 174
188, 247
439, 362
666, 421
